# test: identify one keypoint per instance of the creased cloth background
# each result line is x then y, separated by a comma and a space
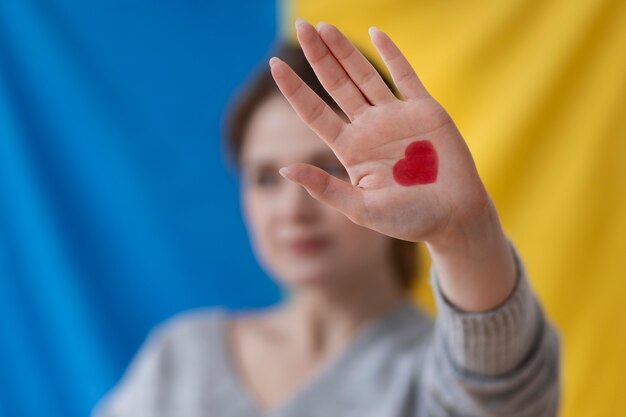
117, 210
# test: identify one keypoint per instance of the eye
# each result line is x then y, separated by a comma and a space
265, 178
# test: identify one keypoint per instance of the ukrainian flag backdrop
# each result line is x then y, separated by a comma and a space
116, 210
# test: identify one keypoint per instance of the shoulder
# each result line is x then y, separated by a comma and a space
407, 330
181, 337
411, 320
186, 335
183, 351
190, 323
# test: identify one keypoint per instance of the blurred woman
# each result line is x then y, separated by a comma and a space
335, 195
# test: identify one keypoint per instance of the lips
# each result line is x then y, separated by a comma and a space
308, 245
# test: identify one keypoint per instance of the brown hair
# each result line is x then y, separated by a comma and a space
262, 86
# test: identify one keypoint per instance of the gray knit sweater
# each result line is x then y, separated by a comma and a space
503, 362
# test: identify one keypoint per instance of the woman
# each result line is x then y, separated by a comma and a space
335, 231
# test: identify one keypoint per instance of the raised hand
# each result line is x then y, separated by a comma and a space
412, 175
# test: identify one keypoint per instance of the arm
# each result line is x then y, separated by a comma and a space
412, 177
500, 362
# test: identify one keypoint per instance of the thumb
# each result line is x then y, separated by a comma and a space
324, 187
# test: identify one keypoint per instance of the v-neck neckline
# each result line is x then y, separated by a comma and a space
367, 333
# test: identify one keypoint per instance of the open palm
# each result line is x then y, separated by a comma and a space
412, 175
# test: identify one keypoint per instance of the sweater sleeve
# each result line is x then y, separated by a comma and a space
501, 362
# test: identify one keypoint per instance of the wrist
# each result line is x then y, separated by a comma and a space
469, 233
474, 262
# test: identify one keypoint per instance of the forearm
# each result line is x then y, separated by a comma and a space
474, 262
505, 360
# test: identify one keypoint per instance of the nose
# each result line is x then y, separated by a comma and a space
297, 205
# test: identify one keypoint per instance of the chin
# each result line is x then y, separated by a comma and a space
305, 282
311, 271
307, 277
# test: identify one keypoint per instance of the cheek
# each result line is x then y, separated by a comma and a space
258, 219
253, 214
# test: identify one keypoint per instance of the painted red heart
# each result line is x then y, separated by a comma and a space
419, 165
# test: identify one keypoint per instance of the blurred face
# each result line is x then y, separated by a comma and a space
297, 239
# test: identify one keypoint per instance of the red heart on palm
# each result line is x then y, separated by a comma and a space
419, 166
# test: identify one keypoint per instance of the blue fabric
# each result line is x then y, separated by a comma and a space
116, 208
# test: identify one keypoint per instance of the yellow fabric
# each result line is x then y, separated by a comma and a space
538, 90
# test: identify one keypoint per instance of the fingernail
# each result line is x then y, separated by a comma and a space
320, 25
372, 30
283, 172
300, 21
273, 60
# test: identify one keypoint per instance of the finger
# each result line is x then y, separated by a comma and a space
324, 187
330, 73
359, 69
401, 70
309, 106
